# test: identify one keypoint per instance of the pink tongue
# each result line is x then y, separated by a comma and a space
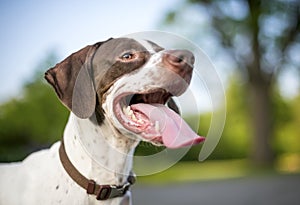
175, 131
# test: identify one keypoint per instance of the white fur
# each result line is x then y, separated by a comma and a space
147, 45
96, 151
143, 80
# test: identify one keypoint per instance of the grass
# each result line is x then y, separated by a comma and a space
214, 170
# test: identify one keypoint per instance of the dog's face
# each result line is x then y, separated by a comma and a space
130, 84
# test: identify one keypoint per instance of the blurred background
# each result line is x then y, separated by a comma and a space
254, 45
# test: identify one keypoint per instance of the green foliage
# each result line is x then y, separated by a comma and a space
30, 121
170, 17
207, 170
287, 135
236, 139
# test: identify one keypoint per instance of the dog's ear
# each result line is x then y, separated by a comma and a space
72, 80
173, 106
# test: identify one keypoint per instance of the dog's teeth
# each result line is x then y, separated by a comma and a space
156, 126
125, 110
133, 117
128, 109
130, 112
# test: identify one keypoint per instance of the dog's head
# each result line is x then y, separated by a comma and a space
129, 83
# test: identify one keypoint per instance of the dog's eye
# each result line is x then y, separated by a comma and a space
128, 56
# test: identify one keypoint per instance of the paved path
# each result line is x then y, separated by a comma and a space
261, 190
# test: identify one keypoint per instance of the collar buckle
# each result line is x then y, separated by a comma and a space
102, 192
111, 191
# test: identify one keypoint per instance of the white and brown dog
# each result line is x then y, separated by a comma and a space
119, 92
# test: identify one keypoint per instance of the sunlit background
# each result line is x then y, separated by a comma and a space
254, 45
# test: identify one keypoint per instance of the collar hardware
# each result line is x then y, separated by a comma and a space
102, 192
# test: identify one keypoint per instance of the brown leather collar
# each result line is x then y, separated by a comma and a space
102, 192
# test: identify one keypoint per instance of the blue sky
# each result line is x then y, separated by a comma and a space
31, 29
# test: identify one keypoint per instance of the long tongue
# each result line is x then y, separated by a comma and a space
174, 130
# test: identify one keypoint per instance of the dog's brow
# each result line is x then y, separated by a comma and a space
156, 47
148, 46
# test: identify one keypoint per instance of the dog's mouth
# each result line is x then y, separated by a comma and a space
147, 115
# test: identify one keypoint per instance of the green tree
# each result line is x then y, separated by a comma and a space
32, 120
235, 139
287, 135
261, 37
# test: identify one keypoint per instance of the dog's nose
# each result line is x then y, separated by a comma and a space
181, 62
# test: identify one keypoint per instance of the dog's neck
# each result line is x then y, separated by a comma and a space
98, 152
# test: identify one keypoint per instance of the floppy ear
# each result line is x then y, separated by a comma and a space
72, 80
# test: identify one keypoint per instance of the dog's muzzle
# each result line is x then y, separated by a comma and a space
144, 111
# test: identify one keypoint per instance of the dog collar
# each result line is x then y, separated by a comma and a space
102, 192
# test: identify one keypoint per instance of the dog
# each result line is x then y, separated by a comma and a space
119, 92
